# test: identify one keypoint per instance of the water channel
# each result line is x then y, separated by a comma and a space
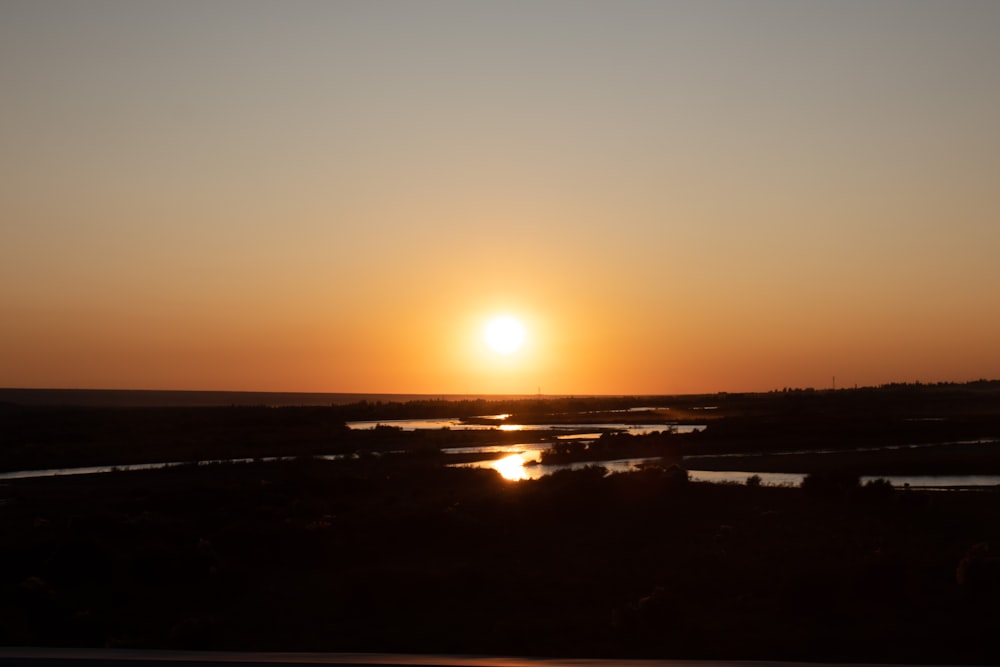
521, 461
498, 424
523, 465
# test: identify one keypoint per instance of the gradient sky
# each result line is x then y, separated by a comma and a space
674, 197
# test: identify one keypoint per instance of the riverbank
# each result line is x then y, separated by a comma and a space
962, 458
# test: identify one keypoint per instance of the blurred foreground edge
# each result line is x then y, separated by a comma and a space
42, 657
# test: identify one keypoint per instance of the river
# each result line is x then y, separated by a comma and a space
521, 463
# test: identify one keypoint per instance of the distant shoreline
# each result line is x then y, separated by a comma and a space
169, 398
187, 398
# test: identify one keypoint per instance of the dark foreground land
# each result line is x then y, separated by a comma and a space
397, 552
402, 557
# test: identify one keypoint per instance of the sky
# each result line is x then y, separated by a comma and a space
671, 197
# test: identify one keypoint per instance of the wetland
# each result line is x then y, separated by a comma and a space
285, 529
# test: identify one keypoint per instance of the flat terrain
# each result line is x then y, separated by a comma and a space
398, 556
391, 550
40, 432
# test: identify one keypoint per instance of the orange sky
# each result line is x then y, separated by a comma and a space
673, 197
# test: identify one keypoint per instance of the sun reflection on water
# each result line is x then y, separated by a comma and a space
511, 467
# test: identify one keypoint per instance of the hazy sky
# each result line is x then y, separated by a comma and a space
336, 196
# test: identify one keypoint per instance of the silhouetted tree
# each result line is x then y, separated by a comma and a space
829, 483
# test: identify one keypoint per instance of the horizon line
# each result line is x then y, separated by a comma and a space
484, 395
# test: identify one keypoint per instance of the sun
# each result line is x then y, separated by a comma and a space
504, 334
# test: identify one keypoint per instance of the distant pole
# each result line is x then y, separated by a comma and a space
835, 383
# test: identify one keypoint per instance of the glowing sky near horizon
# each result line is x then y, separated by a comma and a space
337, 196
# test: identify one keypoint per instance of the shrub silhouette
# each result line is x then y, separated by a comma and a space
830, 483
674, 475
876, 491
978, 572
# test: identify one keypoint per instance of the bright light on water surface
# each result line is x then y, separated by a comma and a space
511, 467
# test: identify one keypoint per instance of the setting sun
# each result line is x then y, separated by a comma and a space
468, 227
504, 334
